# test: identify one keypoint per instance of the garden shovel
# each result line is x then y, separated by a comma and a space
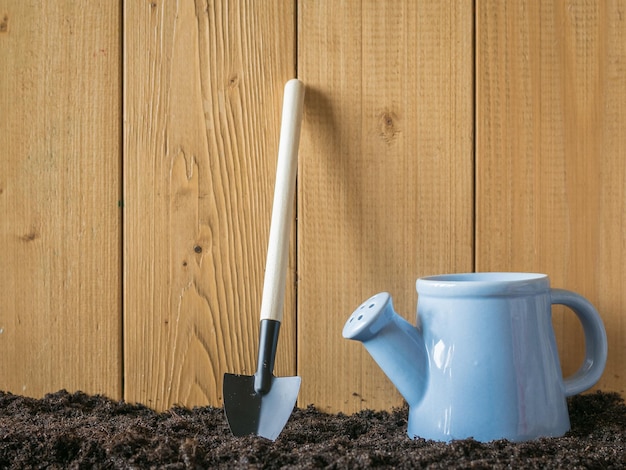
261, 403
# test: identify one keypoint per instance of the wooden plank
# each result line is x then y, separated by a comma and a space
386, 175
60, 182
203, 96
551, 157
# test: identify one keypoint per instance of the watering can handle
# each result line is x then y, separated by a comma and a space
596, 348
273, 299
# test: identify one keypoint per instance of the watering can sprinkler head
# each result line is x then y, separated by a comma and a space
395, 344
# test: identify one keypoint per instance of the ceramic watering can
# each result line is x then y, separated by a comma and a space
482, 361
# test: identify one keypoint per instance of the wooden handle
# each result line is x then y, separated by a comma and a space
272, 303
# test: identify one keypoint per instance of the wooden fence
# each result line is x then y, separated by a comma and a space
138, 144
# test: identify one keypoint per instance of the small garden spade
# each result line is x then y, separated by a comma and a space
261, 403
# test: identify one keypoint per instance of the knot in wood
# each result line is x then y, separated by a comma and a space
387, 126
233, 81
4, 24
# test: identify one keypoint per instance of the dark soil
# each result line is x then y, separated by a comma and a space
66, 430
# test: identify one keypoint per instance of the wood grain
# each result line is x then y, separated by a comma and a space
385, 185
551, 157
60, 167
203, 97
386, 175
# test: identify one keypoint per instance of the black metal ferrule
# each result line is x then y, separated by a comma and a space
268, 340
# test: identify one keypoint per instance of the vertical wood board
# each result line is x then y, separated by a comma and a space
386, 176
60, 167
551, 157
203, 96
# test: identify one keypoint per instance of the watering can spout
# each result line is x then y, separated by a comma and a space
395, 344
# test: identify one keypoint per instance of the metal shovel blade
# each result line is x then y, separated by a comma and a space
250, 412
